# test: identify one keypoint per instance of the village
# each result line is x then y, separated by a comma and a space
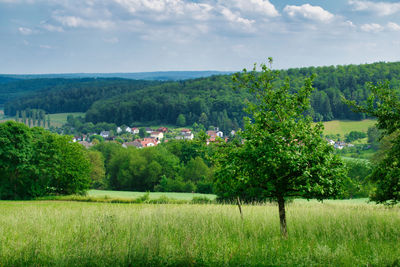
147, 137
131, 136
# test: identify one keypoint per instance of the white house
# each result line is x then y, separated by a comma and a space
220, 134
119, 130
128, 130
135, 130
158, 135
105, 134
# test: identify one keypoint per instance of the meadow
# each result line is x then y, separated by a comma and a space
56, 120
152, 195
344, 127
333, 233
59, 119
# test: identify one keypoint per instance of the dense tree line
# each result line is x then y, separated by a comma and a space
206, 101
63, 95
35, 162
176, 166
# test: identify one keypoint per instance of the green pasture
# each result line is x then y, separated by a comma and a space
333, 233
58, 119
152, 195
344, 127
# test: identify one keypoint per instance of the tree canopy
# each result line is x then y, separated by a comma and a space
384, 104
280, 154
35, 162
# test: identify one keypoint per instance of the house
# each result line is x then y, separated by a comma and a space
105, 134
331, 142
184, 131
119, 130
149, 130
212, 135
128, 130
135, 130
157, 135
85, 144
339, 145
188, 136
220, 134
147, 142
162, 129
135, 143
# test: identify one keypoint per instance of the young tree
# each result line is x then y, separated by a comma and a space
384, 103
181, 120
282, 154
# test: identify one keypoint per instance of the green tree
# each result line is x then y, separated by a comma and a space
181, 120
355, 135
203, 119
384, 103
15, 153
35, 162
283, 154
196, 170
97, 171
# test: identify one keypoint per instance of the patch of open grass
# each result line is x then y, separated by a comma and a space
152, 195
344, 127
56, 233
58, 119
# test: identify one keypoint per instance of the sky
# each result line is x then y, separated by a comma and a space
74, 36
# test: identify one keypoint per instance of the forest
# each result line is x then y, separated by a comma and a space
209, 101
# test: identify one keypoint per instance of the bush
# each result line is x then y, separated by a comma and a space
205, 187
201, 200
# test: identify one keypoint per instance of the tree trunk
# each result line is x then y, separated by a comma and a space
240, 207
282, 216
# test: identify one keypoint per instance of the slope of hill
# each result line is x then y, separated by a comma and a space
209, 101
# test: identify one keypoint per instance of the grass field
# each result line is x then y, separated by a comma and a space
59, 119
56, 120
55, 233
344, 127
152, 195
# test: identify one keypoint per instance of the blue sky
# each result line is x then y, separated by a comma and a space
68, 36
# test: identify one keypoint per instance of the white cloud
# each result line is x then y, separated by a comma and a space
372, 27
308, 11
165, 7
25, 31
256, 6
380, 8
52, 28
236, 18
75, 22
393, 26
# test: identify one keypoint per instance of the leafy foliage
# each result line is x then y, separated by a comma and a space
175, 166
35, 162
283, 154
384, 104
355, 135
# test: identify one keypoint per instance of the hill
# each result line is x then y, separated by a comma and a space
122, 102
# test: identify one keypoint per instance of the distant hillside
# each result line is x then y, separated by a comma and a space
5, 79
64, 95
153, 76
209, 101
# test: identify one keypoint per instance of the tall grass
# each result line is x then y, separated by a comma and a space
46, 233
